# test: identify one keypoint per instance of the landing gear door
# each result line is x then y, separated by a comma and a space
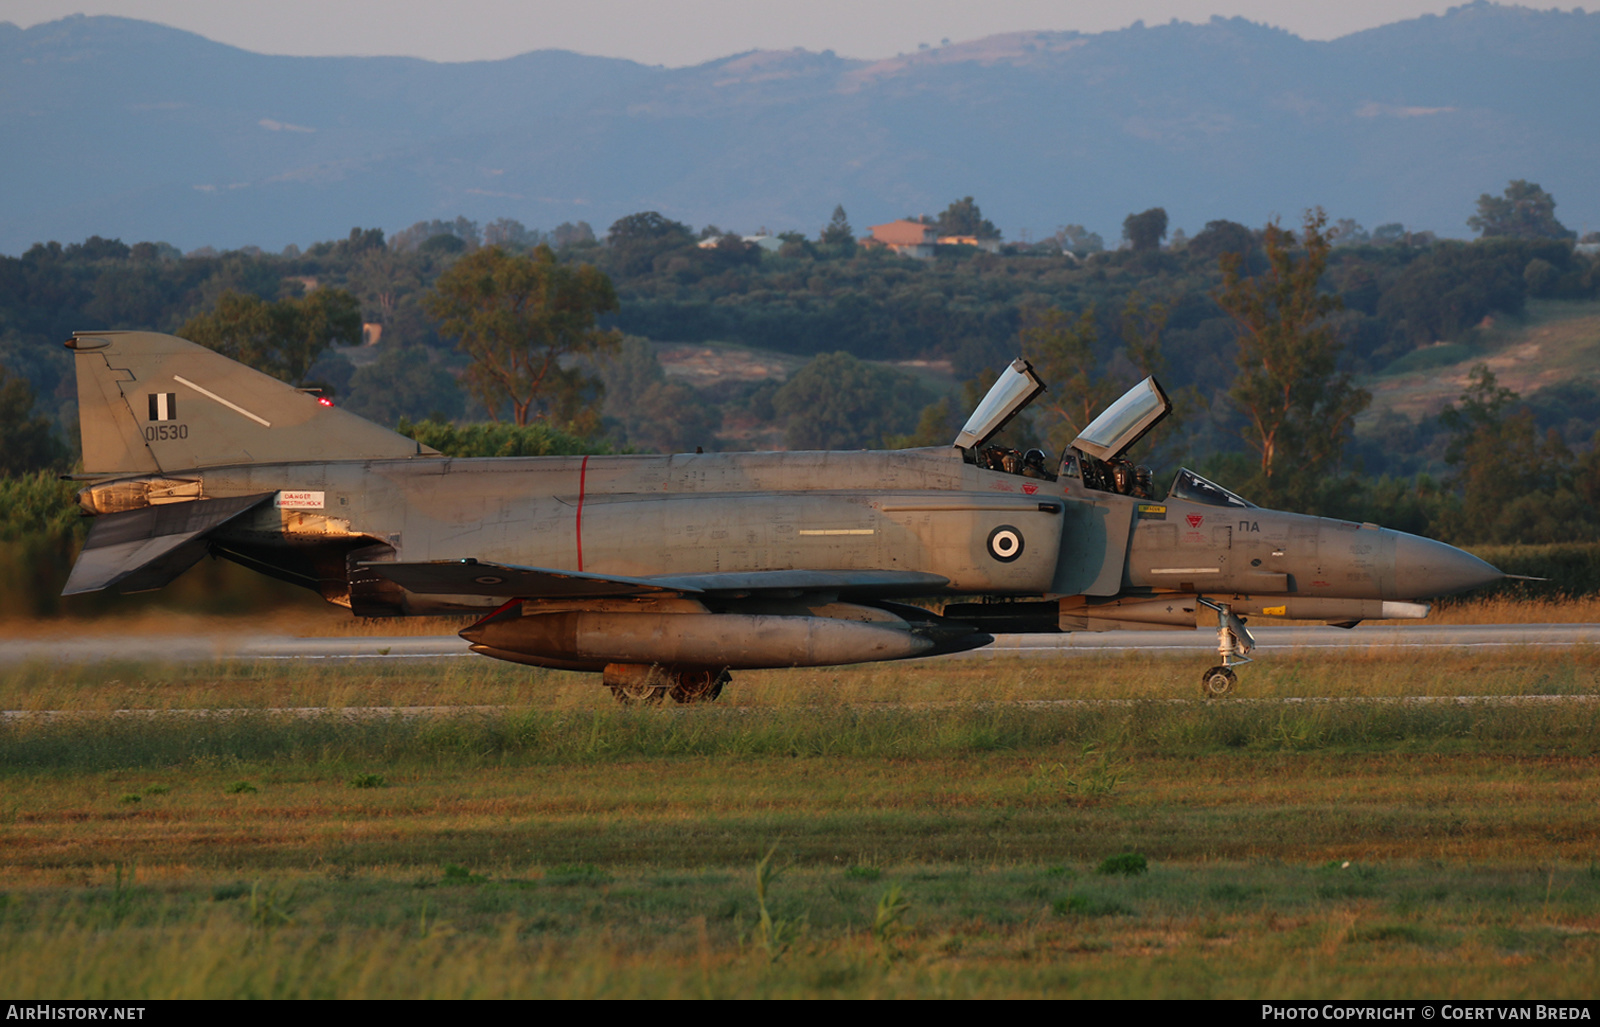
1094, 546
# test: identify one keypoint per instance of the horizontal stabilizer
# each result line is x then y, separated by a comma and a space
140, 550
474, 577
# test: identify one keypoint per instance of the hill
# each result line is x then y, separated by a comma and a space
126, 128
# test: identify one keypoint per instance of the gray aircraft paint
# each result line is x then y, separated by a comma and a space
686, 561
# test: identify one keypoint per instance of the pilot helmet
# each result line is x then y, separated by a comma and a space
1034, 458
1145, 478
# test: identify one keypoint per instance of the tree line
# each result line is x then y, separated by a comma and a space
1263, 331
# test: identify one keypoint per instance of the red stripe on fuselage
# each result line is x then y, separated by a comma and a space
583, 474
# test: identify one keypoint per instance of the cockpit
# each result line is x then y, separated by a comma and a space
1095, 457
1195, 489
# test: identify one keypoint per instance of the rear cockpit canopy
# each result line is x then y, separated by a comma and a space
1124, 422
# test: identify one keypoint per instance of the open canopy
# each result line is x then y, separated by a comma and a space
1012, 391
1124, 422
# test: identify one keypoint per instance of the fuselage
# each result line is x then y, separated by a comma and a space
924, 510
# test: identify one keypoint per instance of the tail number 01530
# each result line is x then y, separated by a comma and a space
164, 432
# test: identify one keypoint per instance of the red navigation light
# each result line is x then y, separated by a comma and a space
325, 401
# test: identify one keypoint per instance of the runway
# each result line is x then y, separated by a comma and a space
261, 646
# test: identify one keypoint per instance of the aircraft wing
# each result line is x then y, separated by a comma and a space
139, 550
508, 581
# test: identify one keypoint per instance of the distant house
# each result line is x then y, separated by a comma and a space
908, 238
986, 245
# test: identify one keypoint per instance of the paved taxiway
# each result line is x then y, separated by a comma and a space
1378, 638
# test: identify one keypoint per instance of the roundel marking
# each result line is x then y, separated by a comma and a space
1005, 543
490, 579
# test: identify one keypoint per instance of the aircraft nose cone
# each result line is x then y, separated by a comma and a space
1423, 567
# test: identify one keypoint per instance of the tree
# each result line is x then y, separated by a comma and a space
1078, 240
1391, 234
1145, 231
1454, 285
1219, 237
964, 218
650, 412
838, 233
839, 402
1142, 326
282, 338
405, 381
569, 234
26, 442
510, 234
638, 239
379, 278
1524, 211
412, 238
1348, 232
936, 426
516, 316
1062, 347
1515, 486
1298, 405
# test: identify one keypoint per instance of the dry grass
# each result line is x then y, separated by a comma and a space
570, 848
471, 681
1585, 610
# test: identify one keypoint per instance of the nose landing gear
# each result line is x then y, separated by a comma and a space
1233, 642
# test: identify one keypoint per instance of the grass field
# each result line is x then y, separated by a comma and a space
934, 830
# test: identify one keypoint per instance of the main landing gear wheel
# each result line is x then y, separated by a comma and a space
699, 685
638, 694
1217, 682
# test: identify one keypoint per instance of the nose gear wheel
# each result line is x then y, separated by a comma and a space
1218, 682
1233, 642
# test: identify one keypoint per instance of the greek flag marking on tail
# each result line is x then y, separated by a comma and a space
163, 406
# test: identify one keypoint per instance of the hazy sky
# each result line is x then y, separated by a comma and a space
683, 32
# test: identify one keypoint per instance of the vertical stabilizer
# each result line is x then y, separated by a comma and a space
156, 403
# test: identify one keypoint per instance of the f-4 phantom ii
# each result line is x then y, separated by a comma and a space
664, 573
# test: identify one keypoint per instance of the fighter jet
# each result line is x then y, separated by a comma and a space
665, 573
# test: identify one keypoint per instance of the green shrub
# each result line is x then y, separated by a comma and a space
1573, 569
1130, 864
499, 439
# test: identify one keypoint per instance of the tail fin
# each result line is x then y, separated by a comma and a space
156, 403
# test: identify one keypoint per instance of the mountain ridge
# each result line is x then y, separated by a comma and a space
127, 128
